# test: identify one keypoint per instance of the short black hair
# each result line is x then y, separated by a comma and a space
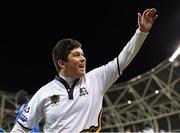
62, 49
22, 97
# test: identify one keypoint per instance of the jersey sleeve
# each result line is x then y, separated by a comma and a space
32, 113
107, 74
131, 49
17, 128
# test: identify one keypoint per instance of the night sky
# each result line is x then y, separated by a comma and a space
29, 30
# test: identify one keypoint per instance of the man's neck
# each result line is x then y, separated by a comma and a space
69, 80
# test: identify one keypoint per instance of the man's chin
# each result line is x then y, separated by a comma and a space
81, 75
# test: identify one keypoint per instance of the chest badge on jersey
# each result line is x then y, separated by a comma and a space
55, 99
83, 91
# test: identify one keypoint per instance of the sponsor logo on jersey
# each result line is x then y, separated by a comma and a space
26, 109
23, 118
83, 91
55, 99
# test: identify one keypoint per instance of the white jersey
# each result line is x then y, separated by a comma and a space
79, 108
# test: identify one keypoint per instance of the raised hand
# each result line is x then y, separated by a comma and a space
146, 20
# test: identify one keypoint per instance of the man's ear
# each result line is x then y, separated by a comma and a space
61, 64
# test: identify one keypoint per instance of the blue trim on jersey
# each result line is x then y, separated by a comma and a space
23, 118
35, 129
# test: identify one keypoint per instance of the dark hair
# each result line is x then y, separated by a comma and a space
62, 49
146, 124
22, 97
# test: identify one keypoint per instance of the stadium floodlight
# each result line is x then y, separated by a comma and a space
175, 54
129, 101
156, 91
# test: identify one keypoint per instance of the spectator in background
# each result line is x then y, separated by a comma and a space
2, 130
21, 100
128, 130
147, 128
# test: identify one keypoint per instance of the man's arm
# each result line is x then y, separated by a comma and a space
145, 22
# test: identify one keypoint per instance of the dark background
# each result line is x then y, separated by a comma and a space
29, 30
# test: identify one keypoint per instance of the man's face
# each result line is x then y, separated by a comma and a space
76, 65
